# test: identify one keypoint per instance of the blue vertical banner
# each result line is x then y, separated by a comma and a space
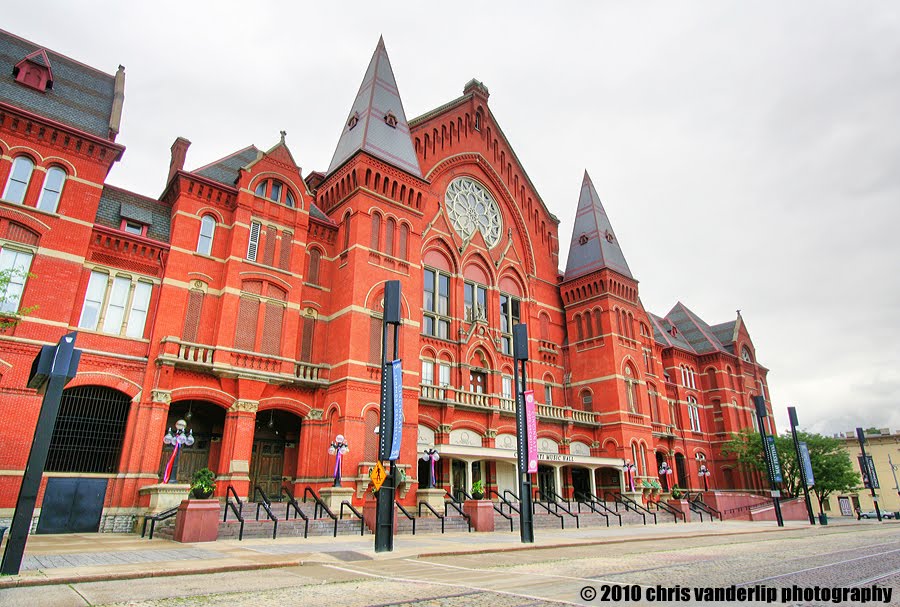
773, 457
397, 384
807, 464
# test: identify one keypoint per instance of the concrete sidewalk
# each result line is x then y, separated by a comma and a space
66, 559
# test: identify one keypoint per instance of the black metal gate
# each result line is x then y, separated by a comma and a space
72, 505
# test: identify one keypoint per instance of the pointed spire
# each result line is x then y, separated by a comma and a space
377, 123
594, 244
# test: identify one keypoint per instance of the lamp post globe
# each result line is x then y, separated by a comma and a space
430, 456
338, 448
664, 472
704, 474
178, 440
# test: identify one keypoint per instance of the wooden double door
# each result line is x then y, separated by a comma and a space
267, 467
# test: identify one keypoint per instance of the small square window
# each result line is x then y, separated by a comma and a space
133, 227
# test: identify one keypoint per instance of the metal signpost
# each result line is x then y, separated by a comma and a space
390, 431
867, 467
520, 351
805, 465
772, 464
53, 368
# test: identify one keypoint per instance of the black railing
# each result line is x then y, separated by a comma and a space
292, 503
699, 506
506, 495
536, 503
499, 508
266, 505
407, 515
236, 506
512, 507
153, 520
457, 505
434, 512
556, 501
630, 504
596, 506
462, 492
362, 522
664, 507
321, 507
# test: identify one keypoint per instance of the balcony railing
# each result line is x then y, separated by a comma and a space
229, 362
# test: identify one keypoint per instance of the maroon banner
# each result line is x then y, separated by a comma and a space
531, 430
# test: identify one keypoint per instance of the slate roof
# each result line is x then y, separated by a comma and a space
81, 97
316, 212
594, 244
378, 95
226, 170
117, 204
725, 332
693, 329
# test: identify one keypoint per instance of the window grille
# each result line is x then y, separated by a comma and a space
89, 431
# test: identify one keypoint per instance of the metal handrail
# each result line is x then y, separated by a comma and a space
464, 492
434, 512
407, 515
536, 503
557, 499
704, 507
266, 505
153, 520
667, 508
238, 509
292, 503
637, 507
499, 509
320, 506
362, 522
455, 504
596, 506
503, 500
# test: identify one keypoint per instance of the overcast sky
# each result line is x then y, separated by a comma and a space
747, 153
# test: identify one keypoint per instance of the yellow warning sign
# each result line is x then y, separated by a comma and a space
377, 474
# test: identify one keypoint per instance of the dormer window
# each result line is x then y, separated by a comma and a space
354, 119
34, 71
583, 239
745, 355
133, 227
478, 121
391, 119
275, 191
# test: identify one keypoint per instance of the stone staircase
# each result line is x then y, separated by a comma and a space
586, 518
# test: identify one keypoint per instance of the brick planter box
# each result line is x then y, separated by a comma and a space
197, 521
481, 512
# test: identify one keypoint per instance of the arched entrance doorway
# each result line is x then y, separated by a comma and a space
581, 483
546, 483
206, 421
274, 457
681, 471
87, 439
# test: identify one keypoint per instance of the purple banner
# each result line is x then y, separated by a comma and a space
531, 431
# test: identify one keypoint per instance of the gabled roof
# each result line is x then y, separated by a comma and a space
699, 334
117, 204
368, 127
226, 170
317, 213
594, 245
725, 332
81, 97
662, 334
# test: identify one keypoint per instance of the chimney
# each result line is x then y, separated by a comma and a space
179, 153
115, 115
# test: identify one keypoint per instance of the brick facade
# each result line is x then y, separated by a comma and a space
248, 297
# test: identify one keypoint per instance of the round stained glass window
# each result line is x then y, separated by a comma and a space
471, 208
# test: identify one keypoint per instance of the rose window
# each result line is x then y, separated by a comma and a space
471, 208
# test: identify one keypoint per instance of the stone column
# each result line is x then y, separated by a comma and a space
557, 476
237, 448
593, 481
468, 487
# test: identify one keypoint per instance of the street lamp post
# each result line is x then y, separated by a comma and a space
894, 472
177, 440
338, 448
704, 474
431, 456
664, 473
629, 469
867, 470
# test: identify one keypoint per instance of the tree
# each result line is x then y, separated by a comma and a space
10, 312
831, 465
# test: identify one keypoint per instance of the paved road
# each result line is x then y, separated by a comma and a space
826, 557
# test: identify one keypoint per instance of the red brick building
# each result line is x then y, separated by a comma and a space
247, 298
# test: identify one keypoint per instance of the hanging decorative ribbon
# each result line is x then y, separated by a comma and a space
171, 462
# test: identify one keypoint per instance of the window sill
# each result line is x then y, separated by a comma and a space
113, 335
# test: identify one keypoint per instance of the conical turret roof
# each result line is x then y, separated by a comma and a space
377, 123
594, 245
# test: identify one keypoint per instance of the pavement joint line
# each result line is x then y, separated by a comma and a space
859, 558
447, 584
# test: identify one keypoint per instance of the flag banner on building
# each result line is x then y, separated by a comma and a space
867, 467
397, 385
807, 464
531, 431
775, 469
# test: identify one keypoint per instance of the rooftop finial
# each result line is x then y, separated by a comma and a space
283, 135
